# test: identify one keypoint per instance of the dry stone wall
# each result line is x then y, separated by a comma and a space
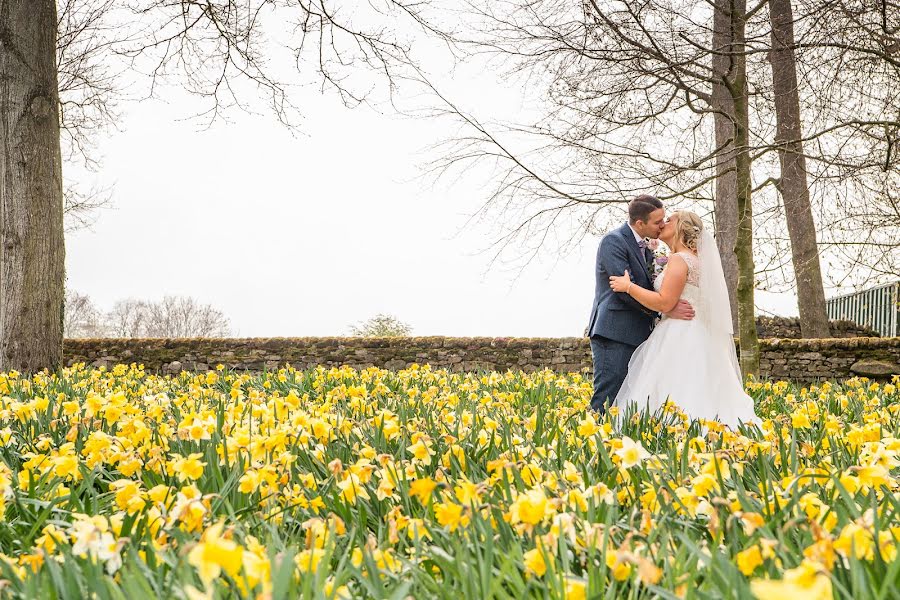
799, 360
789, 327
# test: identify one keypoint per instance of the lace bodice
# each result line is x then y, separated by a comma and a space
691, 291
693, 264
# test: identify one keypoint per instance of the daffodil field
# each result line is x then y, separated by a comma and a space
428, 484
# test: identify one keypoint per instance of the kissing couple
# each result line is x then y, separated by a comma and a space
666, 337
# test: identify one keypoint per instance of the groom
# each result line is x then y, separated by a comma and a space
619, 324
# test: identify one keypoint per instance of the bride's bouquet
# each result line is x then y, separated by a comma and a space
660, 259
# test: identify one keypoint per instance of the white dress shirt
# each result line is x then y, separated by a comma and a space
636, 236
639, 239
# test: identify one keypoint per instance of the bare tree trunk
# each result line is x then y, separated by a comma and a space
32, 247
737, 86
793, 185
726, 214
734, 208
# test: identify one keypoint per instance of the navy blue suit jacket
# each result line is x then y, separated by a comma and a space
616, 315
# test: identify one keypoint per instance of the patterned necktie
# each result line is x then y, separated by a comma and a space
643, 246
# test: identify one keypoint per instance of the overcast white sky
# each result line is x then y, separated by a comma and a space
308, 234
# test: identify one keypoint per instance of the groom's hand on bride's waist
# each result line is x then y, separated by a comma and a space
683, 310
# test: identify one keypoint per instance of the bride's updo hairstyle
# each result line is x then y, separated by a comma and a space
689, 228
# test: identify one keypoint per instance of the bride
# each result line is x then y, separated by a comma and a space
694, 362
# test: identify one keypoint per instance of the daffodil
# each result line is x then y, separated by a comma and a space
215, 554
421, 489
631, 453
534, 562
807, 582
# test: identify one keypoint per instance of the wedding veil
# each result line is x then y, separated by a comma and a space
715, 308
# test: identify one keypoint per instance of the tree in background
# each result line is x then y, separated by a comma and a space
170, 317
755, 114
32, 246
848, 67
381, 325
82, 318
88, 94
221, 51
182, 316
629, 110
127, 319
793, 183
632, 87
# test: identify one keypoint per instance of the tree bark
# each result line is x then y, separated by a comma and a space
734, 207
743, 249
793, 185
32, 246
725, 208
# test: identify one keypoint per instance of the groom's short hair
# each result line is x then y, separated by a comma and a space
640, 208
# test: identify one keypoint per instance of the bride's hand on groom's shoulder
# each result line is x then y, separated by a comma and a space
620, 283
683, 310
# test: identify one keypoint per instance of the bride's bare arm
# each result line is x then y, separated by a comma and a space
666, 298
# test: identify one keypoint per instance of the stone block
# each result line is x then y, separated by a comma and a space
875, 368
173, 367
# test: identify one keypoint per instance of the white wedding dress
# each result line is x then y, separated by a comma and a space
694, 362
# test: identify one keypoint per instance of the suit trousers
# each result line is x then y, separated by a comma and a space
610, 368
